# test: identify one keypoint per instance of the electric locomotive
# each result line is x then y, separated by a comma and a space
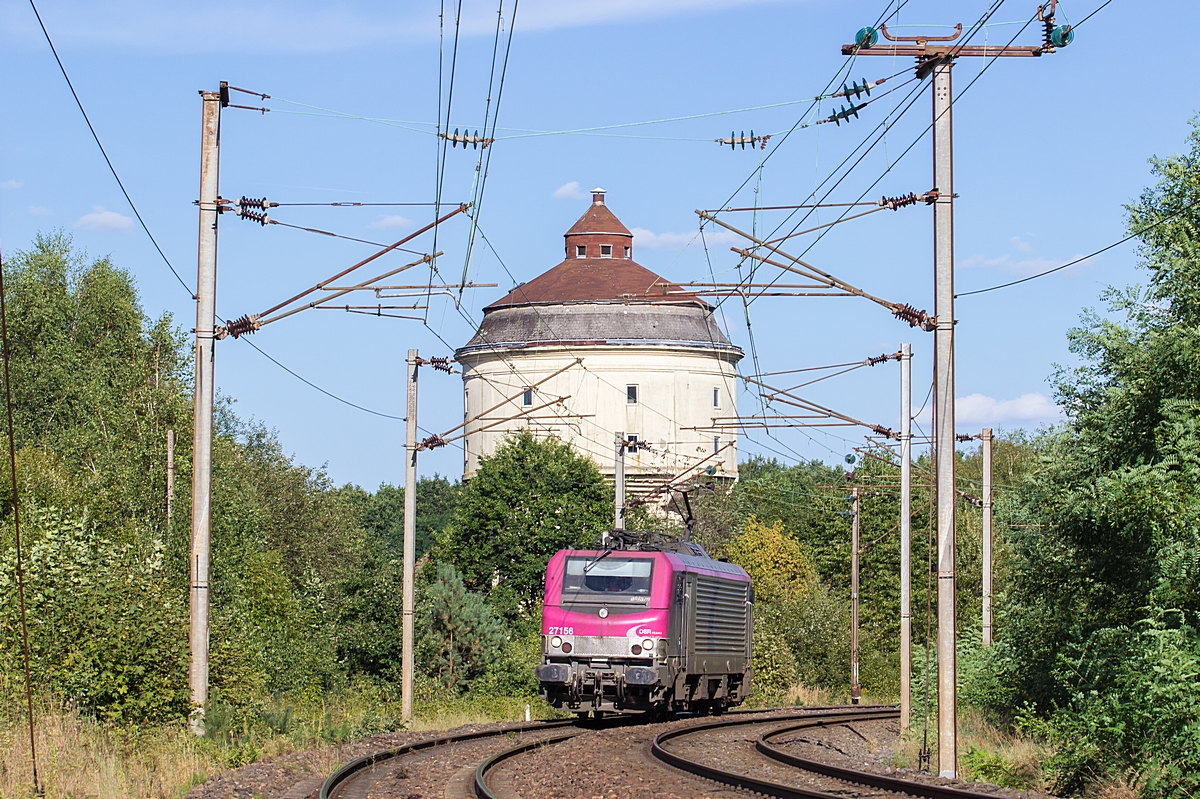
646, 624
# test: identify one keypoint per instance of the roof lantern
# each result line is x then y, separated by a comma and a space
598, 267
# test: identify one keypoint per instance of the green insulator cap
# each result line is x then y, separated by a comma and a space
710, 470
1062, 35
866, 37
850, 458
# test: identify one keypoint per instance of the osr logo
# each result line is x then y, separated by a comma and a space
645, 631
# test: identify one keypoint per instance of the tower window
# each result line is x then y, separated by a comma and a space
606, 251
580, 250
527, 399
628, 252
632, 441
716, 397
716, 444
631, 395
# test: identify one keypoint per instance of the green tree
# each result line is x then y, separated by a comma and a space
460, 636
775, 561
1105, 591
382, 513
527, 501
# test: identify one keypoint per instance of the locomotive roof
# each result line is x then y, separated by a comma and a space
679, 560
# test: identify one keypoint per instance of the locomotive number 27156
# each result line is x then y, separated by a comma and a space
562, 631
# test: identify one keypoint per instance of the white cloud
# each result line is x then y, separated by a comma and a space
11, 184
979, 409
1016, 266
1021, 246
677, 241
100, 219
392, 221
308, 26
40, 210
569, 191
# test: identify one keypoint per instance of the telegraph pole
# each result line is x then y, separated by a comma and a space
170, 475
855, 687
206, 290
987, 536
410, 539
619, 485
935, 56
905, 535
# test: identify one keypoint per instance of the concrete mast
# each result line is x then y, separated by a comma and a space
905, 535
206, 290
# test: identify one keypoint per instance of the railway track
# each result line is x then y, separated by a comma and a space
357, 777
484, 774
788, 789
477, 763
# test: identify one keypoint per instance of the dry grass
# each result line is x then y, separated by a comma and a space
803, 695
986, 753
80, 758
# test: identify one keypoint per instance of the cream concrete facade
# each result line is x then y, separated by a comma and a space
680, 390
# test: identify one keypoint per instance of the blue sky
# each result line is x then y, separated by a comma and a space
1046, 152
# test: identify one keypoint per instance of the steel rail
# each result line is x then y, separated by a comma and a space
746, 782
482, 789
881, 781
352, 769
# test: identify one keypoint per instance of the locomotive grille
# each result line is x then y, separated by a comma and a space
720, 616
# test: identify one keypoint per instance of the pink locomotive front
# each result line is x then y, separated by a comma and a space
625, 594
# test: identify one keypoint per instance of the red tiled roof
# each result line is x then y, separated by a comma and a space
595, 280
598, 219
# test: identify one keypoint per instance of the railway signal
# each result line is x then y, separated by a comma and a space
935, 55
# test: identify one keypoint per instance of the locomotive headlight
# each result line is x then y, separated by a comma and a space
556, 642
648, 644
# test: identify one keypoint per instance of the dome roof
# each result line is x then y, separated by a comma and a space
596, 280
599, 296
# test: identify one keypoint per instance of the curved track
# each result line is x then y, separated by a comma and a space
354, 777
782, 791
483, 774
344, 778
745, 781
880, 781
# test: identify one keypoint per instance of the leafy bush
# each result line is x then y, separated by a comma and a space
107, 629
774, 666
512, 673
1135, 708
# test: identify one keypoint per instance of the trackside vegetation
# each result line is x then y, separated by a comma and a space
1092, 687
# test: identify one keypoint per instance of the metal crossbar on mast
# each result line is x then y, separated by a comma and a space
901, 311
937, 59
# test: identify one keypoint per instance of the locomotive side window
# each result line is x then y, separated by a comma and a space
608, 579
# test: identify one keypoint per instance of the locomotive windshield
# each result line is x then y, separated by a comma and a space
607, 579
